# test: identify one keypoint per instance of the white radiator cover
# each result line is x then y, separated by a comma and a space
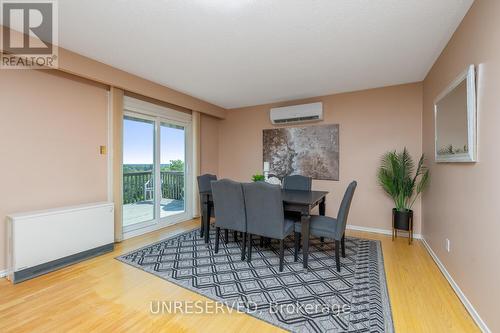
40, 237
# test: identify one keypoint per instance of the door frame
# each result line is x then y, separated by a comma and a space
159, 114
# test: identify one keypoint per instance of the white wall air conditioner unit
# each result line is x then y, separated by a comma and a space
297, 113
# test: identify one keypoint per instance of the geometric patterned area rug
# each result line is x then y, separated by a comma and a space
317, 300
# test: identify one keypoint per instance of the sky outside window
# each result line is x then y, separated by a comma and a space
171, 143
138, 142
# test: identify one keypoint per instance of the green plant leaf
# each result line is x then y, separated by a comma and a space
399, 179
258, 177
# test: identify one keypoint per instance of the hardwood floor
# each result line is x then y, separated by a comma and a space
103, 294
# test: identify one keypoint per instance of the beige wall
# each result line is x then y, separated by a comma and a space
209, 145
51, 127
462, 200
371, 123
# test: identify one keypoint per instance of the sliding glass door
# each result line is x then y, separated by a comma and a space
138, 171
156, 182
172, 169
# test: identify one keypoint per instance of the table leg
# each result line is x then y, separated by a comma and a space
322, 208
207, 229
202, 226
304, 220
206, 219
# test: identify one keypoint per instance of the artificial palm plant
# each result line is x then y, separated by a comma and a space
400, 180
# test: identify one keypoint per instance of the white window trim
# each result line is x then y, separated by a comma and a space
150, 109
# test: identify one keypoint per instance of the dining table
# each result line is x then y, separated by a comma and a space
300, 202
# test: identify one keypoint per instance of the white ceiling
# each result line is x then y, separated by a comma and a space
237, 53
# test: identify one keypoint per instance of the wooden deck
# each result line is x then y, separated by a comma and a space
143, 210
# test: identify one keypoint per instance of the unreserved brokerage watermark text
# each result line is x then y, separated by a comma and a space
216, 307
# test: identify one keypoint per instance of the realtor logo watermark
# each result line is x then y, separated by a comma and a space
31, 42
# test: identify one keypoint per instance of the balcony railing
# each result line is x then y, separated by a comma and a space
137, 186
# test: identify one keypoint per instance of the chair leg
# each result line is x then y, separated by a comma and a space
282, 254
249, 240
322, 240
243, 246
337, 254
202, 227
296, 238
342, 244
217, 237
235, 236
226, 236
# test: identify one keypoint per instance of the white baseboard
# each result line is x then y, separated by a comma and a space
3, 273
378, 231
468, 305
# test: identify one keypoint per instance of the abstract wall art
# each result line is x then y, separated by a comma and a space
309, 151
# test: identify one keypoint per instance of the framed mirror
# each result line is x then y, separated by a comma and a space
455, 120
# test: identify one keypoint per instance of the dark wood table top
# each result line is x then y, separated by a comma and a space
297, 197
302, 197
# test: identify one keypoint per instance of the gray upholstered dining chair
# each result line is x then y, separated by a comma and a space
265, 216
328, 227
204, 182
229, 206
297, 182
204, 185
